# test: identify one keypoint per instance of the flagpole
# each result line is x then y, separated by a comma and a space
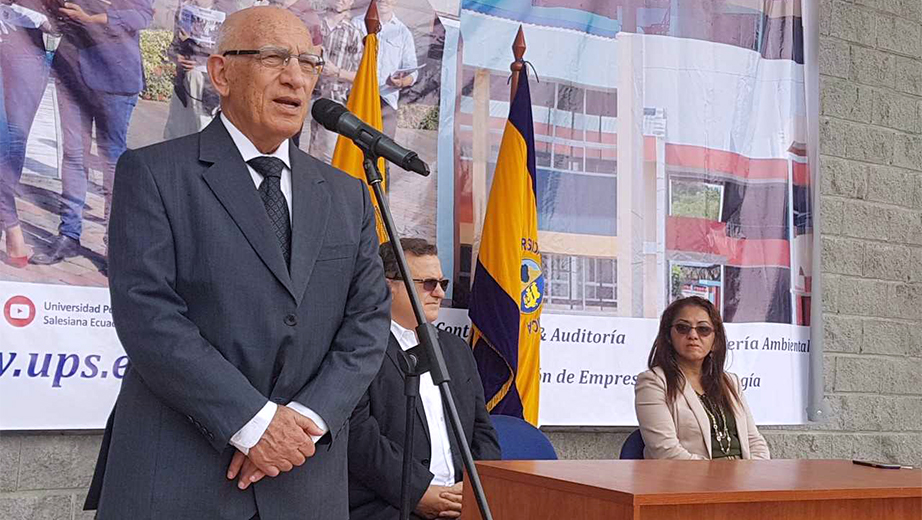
518, 51
372, 19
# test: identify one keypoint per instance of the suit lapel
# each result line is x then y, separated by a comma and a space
230, 180
700, 415
394, 353
310, 207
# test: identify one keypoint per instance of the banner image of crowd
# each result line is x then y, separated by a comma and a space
671, 156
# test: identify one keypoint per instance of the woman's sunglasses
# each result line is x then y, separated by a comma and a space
702, 330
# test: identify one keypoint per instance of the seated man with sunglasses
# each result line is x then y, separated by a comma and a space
687, 405
377, 426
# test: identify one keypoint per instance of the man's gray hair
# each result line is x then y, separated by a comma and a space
225, 35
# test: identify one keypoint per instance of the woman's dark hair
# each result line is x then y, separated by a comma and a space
715, 381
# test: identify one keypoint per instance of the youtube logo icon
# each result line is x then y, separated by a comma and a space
19, 311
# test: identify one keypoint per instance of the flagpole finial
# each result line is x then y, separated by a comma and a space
372, 20
518, 51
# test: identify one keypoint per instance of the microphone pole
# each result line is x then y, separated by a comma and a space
425, 357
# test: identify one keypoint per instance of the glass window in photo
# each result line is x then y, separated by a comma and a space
693, 198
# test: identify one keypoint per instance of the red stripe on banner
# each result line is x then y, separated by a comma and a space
726, 162
598, 137
565, 133
566, 149
496, 123
801, 174
542, 129
464, 198
595, 153
710, 237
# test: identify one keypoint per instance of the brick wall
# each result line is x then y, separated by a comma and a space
871, 158
871, 152
45, 476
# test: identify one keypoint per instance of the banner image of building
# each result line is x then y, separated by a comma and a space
659, 176
671, 159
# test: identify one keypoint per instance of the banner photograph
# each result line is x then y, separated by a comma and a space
648, 150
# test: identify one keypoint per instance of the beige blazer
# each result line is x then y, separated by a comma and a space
682, 430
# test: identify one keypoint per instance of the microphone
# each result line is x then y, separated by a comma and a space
337, 118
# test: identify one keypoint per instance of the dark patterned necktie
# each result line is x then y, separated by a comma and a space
270, 191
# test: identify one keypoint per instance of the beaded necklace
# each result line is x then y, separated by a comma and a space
721, 431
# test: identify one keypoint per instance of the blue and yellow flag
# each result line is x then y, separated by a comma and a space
508, 284
365, 102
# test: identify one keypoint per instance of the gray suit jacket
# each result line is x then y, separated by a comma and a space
214, 325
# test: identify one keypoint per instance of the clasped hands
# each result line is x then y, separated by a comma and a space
441, 502
285, 445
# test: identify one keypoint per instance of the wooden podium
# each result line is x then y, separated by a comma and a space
707, 490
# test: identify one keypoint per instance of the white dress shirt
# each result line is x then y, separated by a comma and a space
396, 50
441, 463
249, 435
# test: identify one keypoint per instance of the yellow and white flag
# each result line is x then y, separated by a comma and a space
365, 102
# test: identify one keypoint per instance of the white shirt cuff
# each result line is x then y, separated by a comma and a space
312, 415
249, 435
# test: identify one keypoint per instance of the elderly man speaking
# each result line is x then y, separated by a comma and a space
248, 294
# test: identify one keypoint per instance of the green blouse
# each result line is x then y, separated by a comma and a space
714, 414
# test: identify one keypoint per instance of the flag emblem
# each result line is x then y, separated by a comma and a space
532, 286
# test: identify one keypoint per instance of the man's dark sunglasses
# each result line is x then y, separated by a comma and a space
702, 330
430, 283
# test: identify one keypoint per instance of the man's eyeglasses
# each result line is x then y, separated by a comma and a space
430, 283
702, 330
276, 58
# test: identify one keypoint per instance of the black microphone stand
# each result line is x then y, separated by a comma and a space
425, 357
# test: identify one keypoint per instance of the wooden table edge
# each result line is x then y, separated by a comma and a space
723, 497
784, 495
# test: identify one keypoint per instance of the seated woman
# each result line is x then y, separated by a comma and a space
688, 407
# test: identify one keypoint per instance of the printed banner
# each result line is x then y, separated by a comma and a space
670, 155
589, 365
60, 360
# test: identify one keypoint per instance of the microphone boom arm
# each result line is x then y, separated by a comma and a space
427, 356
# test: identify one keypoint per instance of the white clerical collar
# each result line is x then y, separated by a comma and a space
248, 150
